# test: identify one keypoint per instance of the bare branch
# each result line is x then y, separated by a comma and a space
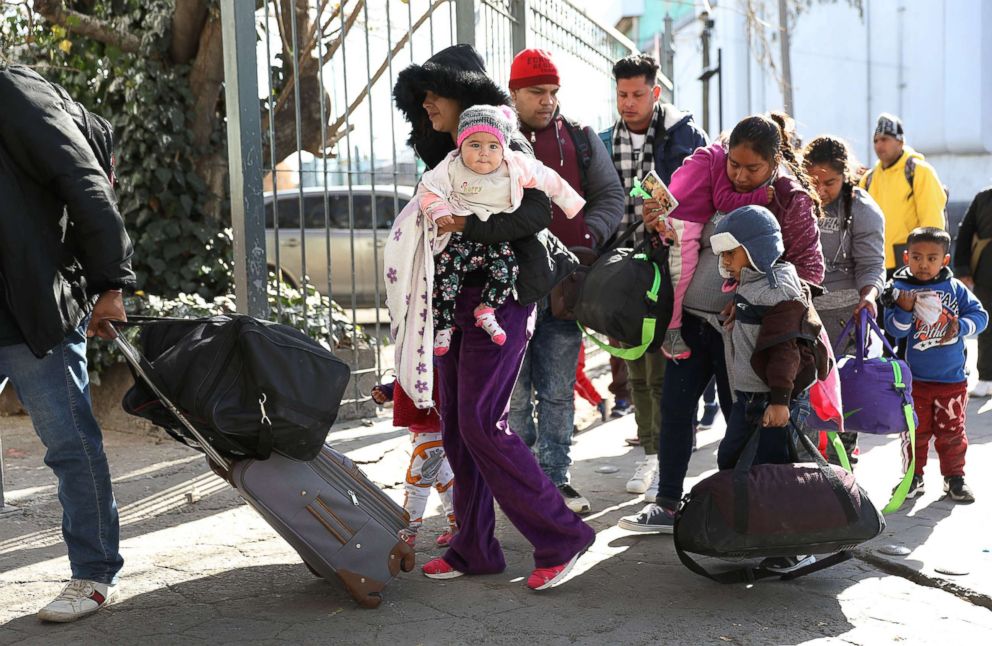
333, 47
385, 64
79, 23
308, 61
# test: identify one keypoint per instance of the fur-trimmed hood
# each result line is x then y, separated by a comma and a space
456, 72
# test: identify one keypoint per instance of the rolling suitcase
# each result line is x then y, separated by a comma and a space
341, 524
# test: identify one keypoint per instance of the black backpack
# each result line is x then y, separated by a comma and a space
97, 131
580, 139
909, 171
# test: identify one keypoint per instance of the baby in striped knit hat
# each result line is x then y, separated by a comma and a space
482, 176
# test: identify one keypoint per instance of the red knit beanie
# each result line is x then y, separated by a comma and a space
533, 67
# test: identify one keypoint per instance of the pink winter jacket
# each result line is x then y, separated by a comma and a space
702, 188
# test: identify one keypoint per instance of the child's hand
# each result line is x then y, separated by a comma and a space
444, 220
771, 194
906, 300
776, 415
378, 396
953, 327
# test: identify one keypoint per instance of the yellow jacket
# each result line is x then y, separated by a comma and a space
905, 209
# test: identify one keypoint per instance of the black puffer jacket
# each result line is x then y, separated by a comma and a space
62, 240
459, 73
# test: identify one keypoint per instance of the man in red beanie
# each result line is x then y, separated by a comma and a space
548, 372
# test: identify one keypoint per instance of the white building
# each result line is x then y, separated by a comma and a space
928, 61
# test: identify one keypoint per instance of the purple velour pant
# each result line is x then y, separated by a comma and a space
475, 379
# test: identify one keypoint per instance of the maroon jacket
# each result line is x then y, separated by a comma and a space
598, 221
793, 208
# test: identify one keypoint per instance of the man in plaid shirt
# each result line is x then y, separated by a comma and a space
649, 135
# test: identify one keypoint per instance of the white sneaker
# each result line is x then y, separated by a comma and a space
982, 389
652, 491
78, 599
647, 470
574, 500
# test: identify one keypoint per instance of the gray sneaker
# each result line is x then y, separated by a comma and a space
653, 519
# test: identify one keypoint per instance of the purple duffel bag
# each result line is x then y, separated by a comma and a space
877, 393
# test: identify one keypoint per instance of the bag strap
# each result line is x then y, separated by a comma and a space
628, 232
749, 574
899, 495
839, 449
648, 324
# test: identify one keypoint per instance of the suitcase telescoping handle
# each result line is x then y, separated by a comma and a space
145, 370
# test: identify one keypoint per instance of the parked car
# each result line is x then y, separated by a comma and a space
347, 222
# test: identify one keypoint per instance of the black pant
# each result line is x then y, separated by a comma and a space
685, 382
984, 295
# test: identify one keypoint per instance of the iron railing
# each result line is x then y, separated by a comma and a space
331, 148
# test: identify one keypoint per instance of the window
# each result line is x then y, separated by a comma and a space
289, 212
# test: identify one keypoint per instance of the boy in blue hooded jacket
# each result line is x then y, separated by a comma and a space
935, 353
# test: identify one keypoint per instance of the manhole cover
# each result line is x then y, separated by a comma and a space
894, 550
953, 570
607, 468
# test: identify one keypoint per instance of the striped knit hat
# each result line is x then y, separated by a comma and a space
499, 121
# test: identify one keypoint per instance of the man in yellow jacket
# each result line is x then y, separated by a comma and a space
906, 187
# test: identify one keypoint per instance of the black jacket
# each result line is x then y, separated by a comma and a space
977, 225
62, 240
458, 73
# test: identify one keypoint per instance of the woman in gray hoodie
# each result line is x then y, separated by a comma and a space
852, 233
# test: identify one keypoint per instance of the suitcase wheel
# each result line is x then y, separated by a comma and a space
402, 557
371, 600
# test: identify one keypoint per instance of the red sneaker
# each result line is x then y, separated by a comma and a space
445, 537
548, 577
439, 569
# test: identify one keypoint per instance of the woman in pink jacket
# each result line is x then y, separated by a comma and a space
759, 154
703, 187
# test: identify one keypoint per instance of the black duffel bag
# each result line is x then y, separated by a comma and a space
755, 511
627, 295
249, 386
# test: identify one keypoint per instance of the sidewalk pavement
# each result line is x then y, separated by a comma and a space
202, 567
950, 544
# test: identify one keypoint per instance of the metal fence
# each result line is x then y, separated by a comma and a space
319, 164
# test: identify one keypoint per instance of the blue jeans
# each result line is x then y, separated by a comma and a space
55, 392
545, 388
773, 442
685, 382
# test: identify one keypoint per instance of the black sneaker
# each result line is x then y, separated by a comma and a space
958, 490
573, 499
786, 564
915, 487
709, 416
621, 407
653, 519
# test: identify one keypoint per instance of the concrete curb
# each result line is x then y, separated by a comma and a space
895, 568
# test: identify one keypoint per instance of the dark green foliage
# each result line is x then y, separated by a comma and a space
179, 247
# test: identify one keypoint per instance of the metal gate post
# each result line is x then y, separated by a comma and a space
244, 153
465, 21
518, 34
